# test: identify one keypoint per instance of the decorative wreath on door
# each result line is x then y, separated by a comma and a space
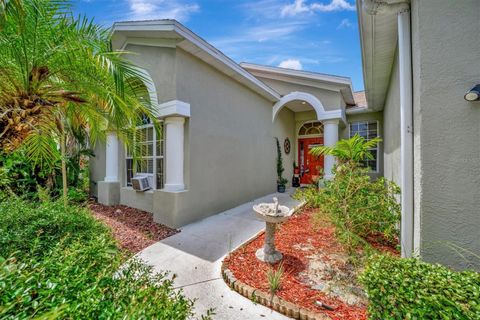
286, 145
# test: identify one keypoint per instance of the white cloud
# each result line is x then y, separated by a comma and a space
161, 9
291, 64
295, 8
334, 5
269, 9
301, 7
345, 23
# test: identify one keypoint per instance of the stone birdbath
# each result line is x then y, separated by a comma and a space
272, 214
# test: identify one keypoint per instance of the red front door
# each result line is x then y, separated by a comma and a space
310, 166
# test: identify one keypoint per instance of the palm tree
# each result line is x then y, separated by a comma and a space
355, 149
59, 73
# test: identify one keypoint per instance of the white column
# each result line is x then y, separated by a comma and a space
111, 158
330, 138
174, 135
406, 132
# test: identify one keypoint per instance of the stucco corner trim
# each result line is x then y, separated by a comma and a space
173, 108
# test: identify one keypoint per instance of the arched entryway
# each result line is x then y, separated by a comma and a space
329, 120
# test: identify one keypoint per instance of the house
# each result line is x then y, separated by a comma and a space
419, 59
220, 121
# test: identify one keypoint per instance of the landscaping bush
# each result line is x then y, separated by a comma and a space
21, 176
28, 228
358, 206
63, 264
411, 289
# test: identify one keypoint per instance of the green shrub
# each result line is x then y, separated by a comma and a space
21, 176
310, 195
358, 206
64, 264
32, 228
411, 289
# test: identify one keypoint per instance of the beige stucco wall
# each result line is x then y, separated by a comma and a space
331, 100
446, 55
285, 127
160, 64
230, 156
391, 128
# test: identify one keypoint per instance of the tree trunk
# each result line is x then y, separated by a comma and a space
64, 166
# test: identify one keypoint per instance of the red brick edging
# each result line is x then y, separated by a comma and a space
276, 303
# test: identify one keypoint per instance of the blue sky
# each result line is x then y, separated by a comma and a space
313, 35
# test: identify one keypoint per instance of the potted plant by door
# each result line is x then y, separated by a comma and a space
281, 185
281, 181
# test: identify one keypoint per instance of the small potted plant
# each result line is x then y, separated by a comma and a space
281, 185
281, 181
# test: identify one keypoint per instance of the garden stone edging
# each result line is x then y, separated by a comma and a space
276, 303
257, 296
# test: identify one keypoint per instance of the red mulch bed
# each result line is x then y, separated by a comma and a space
133, 229
297, 232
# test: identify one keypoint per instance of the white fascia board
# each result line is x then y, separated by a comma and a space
358, 110
298, 73
173, 108
173, 26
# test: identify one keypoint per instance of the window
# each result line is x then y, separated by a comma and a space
150, 161
368, 130
311, 128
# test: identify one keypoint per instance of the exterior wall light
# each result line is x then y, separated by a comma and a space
473, 94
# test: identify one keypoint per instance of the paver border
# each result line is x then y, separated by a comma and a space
274, 302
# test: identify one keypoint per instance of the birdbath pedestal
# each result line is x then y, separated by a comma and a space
272, 214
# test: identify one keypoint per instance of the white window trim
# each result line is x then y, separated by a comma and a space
300, 136
153, 157
378, 144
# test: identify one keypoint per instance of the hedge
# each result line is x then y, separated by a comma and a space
411, 289
60, 263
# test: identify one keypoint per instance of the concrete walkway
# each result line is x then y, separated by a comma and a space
195, 255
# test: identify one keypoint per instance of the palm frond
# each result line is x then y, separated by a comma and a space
356, 149
41, 149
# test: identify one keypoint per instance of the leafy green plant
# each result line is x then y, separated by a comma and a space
20, 177
355, 149
358, 206
28, 228
60, 76
274, 278
281, 181
58, 262
310, 195
412, 289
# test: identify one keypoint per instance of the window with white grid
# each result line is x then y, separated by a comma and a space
150, 159
368, 130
